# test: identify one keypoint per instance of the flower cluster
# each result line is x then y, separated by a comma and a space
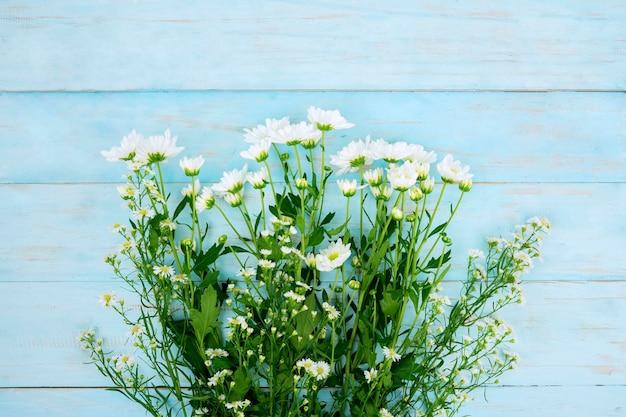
304, 309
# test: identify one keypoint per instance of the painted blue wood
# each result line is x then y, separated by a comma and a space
503, 136
278, 44
61, 232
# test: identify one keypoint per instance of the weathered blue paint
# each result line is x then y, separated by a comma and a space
529, 93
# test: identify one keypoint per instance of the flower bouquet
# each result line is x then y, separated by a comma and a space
324, 296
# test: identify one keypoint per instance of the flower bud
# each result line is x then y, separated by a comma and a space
301, 183
356, 262
427, 185
446, 239
354, 284
284, 156
411, 217
415, 194
222, 239
465, 185
397, 214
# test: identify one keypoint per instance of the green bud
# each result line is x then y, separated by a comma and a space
222, 239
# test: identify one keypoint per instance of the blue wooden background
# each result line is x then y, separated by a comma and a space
529, 93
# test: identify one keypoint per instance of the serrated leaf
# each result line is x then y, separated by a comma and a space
205, 319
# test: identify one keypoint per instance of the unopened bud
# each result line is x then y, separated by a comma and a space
301, 183
222, 239
397, 214
465, 185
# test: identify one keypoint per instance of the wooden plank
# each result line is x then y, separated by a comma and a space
112, 45
605, 401
504, 137
61, 232
568, 333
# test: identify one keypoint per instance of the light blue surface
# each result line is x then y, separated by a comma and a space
529, 93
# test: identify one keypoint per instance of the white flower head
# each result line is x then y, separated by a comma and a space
390, 353
402, 177
320, 370
383, 412
157, 148
332, 257
163, 271
354, 156
347, 187
374, 177
191, 166
327, 120
266, 132
299, 133
451, 170
191, 190
231, 181
370, 375
126, 150
108, 299
205, 201
331, 311
258, 179
258, 151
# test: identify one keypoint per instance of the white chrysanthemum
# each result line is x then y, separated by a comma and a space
157, 148
374, 177
327, 120
294, 134
298, 298
108, 299
259, 151
123, 361
143, 213
238, 321
402, 177
427, 185
390, 353
383, 412
475, 253
417, 154
191, 190
126, 191
265, 132
266, 264
331, 311
205, 201
320, 370
126, 150
164, 271
347, 187
353, 156
451, 170
370, 375
332, 257
231, 181
216, 353
137, 330
258, 179
191, 166
306, 364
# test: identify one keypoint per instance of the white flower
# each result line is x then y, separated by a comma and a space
258, 179
108, 299
265, 132
191, 166
306, 364
390, 353
238, 321
374, 177
157, 148
370, 375
259, 151
333, 313
427, 185
475, 253
353, 156
205, 201
126, 191
383, 412
451, 170
266, 264
402, 177
294, 134
123, 361
179, 278
333, 256
126, 150
327, 120
231, 181
142, 213
418, 155
294, 296
216, 353
246, 272
347, 187
191, 189
137, 329
163, 271
320, 370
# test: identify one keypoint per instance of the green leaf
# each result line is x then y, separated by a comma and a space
205, 320
391, 301
438, 229
180, 207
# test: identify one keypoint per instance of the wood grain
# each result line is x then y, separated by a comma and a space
281, 44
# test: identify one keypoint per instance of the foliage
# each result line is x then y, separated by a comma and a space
325, 313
